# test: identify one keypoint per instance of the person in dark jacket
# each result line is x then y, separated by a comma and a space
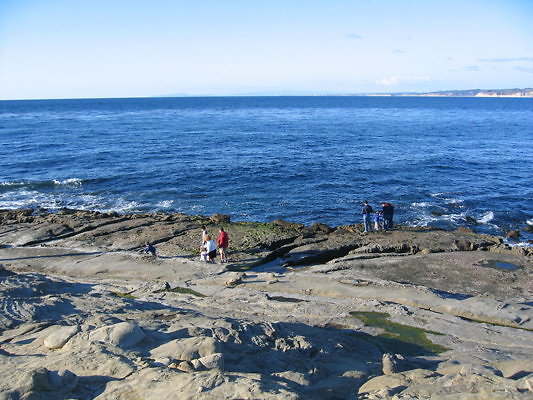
388, 213
367, 216
149, 249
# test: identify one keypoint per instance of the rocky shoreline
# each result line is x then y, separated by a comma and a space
299, 312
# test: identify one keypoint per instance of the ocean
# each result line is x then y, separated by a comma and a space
444, 162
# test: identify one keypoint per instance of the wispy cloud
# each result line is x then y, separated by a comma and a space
398, 51
524, 69
468, 68
353, 36
506, 59
395, 80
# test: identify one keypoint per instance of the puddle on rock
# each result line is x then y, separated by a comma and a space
500, 265
284, 299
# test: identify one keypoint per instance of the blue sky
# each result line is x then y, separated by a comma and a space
136, 48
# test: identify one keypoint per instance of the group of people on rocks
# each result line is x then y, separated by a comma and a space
372, 221
379, 219
208, 249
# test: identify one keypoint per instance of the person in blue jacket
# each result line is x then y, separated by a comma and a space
149, 249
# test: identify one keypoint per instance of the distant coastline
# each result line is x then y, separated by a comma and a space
517, 93
500, 93
527, 92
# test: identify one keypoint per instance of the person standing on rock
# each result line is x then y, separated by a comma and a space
204, 234
211, 248
378, 220
367, 216
222, 243
388, 213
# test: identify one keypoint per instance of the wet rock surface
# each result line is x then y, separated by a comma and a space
298, 312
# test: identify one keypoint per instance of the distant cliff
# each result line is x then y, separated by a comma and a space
528, 92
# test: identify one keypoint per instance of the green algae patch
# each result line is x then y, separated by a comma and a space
398, 338
181, 290
124, 295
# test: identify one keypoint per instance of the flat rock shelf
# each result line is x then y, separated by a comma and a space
298, 312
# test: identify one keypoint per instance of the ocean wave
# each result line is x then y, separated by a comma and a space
449, 198
44, 184
165, 204
12, 183
428, 219
419, 204
29, 199
24, 198
485, 219
124, 206
69, 182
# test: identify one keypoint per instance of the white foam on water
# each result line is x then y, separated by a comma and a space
97, 203
69, 182
123, 206
11, 183
449, 199
165, 204
420, 204
28, 199
485, 219
90, 202
428, 219
516, 244
197, 207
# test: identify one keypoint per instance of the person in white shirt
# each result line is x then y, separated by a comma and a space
211, 248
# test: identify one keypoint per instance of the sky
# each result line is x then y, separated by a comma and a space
139, 48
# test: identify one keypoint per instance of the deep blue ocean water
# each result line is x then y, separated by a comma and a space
443, 162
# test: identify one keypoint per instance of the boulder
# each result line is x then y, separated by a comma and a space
464, 245
220, 219
185, 366
234, 279
471, 220
123, 334
512, 234
41, 379
393, 363
213, 361
187, 349
60, 336
319, 227
392, 383
425, 251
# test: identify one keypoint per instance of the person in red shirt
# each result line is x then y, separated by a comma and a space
222, 244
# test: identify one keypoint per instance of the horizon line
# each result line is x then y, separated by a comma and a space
439, 93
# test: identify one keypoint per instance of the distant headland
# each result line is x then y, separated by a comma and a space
527, 92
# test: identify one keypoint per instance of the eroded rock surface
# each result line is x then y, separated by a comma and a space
320, 313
